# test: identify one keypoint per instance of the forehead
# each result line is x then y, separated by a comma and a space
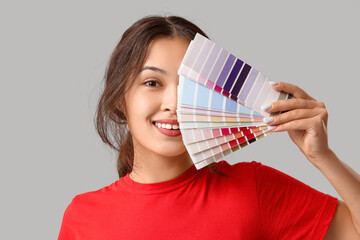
166, 53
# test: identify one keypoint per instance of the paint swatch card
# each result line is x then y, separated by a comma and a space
212, 125
219, 102
214, 67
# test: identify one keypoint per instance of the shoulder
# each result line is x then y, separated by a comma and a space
81, 202
85, 207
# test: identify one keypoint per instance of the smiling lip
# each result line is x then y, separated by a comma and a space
167, 121
168, 132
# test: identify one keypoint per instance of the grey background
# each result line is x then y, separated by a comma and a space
53, 55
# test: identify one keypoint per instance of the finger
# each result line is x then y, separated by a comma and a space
301, 124
290, 104
291, 116
292, 89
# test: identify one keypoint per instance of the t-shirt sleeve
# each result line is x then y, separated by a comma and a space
290, 209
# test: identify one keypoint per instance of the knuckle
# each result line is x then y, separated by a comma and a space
294, 114
324, 112
278, 105
274, 105
293, 102
277, 118
282, 117
322, 104
275, 121
309, 104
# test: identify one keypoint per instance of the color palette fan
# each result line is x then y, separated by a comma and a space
219, 102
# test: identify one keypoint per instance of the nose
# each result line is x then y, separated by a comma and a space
169, 101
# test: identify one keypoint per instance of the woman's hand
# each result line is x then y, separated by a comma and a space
305, 121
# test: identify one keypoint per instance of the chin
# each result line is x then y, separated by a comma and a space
171, 151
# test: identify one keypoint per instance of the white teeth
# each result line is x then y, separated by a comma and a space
167, 126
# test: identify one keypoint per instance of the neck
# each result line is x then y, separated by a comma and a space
154, 168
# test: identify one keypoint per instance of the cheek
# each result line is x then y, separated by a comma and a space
141, 106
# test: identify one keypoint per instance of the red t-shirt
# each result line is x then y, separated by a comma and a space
252, 202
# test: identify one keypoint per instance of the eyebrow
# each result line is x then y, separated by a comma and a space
153, 69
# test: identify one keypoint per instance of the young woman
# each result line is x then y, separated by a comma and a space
161, 195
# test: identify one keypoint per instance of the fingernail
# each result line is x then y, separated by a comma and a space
271, 127
273, 83
266, 107
268, 120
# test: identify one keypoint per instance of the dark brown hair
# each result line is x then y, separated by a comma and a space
124, 65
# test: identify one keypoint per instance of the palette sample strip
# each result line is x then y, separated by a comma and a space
219, 102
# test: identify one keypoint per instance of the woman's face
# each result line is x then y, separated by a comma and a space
152, 99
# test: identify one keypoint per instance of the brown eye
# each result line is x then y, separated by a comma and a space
152, 83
